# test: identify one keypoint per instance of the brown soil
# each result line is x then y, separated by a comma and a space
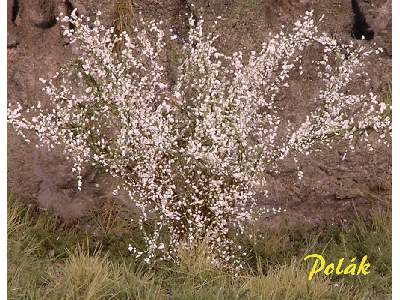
333, 190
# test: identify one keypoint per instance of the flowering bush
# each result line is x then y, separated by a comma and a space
190, 155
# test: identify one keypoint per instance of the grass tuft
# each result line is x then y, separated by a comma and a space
123, 19
47, 260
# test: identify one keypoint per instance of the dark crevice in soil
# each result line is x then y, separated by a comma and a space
15, 11
13, 45
48, 10
361, 29
46, 24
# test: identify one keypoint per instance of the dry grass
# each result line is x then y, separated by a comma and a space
78, 268
123, 19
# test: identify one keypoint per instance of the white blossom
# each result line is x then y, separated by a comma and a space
190, 156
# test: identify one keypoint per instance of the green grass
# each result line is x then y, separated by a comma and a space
50, 260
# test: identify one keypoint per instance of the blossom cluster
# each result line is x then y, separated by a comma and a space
190, 155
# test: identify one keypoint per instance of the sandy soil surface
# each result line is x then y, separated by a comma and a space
333, 190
